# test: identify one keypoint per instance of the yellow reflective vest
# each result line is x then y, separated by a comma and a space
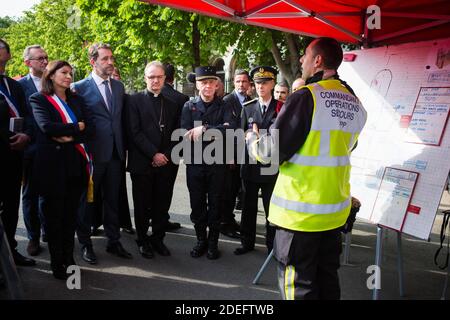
312, 192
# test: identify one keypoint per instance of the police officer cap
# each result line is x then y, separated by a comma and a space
263, 73
203, 73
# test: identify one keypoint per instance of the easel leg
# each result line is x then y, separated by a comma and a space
264, 266
376, 290
400, 264
347, 244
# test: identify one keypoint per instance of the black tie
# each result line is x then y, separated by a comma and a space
264, 109
108, 95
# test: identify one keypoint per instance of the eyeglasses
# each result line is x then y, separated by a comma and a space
155, 77
40, 59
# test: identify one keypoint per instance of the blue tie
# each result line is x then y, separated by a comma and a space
108, 95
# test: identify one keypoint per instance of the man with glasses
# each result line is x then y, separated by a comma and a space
151, 118
36, 60
12, 144
105, 97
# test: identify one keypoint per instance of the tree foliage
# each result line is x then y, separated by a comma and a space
140, 33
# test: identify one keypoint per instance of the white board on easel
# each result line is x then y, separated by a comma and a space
393, 199
406, 92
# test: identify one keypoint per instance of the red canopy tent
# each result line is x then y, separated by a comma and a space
345, 20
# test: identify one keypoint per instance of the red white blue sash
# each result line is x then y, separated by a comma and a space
68, 116
13, 111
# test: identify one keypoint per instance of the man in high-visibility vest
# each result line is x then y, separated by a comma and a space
317, 128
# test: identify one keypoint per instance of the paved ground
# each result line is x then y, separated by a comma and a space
230, 278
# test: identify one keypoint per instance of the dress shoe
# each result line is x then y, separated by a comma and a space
95, 232
159, 246
34, 247
146, 250
199, 249
118, 250
243, 250
20, 260
229, 231
128, 230
88, 255
172, 226
213, 253
60, 273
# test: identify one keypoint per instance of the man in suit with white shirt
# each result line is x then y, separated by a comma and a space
12, 144
36, 60
235, 100
257, 114
180, 99
105, 97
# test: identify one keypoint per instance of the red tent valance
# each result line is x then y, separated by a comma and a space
345, 20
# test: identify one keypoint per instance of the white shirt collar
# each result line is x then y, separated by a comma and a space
266, 103
240, 96
98, 80
37, 82
34, 77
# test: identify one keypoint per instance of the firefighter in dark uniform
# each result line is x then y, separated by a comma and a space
257, 114
205, 178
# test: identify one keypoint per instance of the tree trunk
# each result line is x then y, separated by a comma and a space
196, 41
290, 67
294, 55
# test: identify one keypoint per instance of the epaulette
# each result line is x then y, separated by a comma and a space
248, 102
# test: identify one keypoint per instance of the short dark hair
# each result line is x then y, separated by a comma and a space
93, 50
170, 72
240, 72
6, 45
47, 83
330, 50
283, 84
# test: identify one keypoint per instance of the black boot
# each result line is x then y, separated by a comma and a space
202, 245
213, 239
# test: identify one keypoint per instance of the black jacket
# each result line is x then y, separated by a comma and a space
56, 162
179, 98
149, 133
251, 113
217, 116
15, 157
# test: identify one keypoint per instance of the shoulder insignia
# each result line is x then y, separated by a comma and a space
249, 102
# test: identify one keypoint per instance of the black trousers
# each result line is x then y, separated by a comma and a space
151, 196
205, 184
124, 207
60, 212
250, 211
10, 184
308, 263
31, 203
107, 178
173, 168
231, 189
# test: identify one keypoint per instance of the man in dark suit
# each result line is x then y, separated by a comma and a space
105, 97
180, 99
36, 60
257, 114
235, 100
151, 119
12, 105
